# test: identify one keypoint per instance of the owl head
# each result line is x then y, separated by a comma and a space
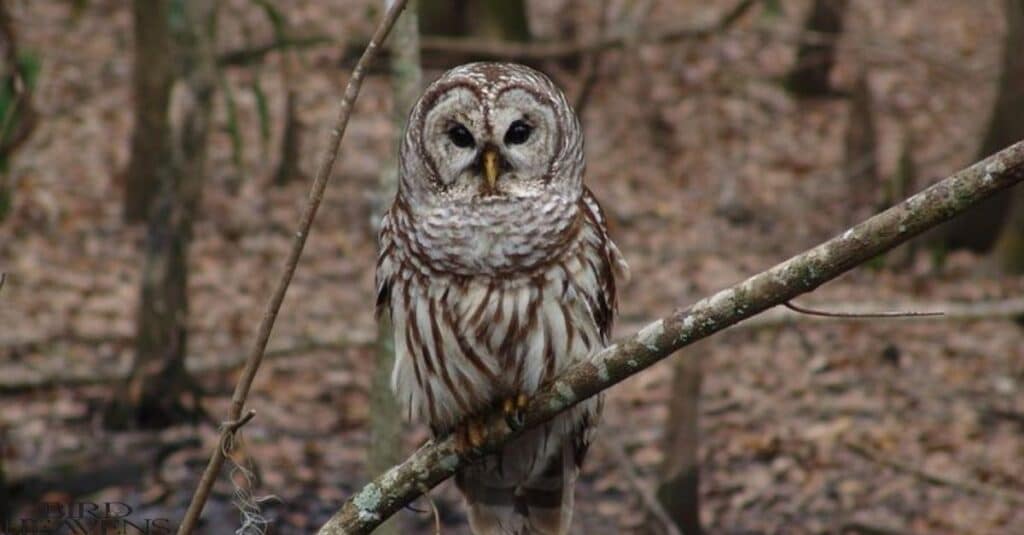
491, 132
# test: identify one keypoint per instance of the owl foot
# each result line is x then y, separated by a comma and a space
470, 434
515, 410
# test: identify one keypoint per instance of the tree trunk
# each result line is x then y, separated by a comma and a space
288, 167
815, 57
979, 228
861, 153
498, 20
501, 20
153, 396
152, 79
1008, 253
6, 498
901, 185
385, 414
680, 486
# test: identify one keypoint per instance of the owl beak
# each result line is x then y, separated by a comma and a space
491, 165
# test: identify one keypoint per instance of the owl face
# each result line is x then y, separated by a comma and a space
491, 131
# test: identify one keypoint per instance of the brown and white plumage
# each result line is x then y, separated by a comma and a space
497, 270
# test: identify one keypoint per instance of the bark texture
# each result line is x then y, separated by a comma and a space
814, 60
861, 151
151, 89
291, 141
490, 20
503, 20
679, 491
438, 460
899, 186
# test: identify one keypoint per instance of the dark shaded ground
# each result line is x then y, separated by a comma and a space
709, 172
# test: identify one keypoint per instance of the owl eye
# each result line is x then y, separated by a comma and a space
460, 136
518, 133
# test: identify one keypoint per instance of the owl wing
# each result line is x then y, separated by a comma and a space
610, 268
387, 267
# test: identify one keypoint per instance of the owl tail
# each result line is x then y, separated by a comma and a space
543, 506
492, 510
548, 498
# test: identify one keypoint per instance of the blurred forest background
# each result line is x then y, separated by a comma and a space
155, 154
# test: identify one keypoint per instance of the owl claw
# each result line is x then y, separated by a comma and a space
515, 410
471, 435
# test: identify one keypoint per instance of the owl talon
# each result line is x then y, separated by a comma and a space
471, 435
515, 410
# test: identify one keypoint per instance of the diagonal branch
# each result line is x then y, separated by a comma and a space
438, 460
323, 173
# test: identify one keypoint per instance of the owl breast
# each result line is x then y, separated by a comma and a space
477, 326
493, 236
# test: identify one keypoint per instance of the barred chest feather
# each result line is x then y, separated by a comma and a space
484, 321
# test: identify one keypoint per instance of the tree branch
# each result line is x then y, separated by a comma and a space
323, 173
437, 460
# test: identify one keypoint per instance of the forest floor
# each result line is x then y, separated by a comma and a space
709, 172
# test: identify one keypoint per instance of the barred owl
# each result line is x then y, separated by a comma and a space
498, 273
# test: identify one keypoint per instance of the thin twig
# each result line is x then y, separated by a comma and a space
969, 487
195, 508
3, 279
433, 509
625, 464
887, 314
253, 522
439, 459
234, 426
